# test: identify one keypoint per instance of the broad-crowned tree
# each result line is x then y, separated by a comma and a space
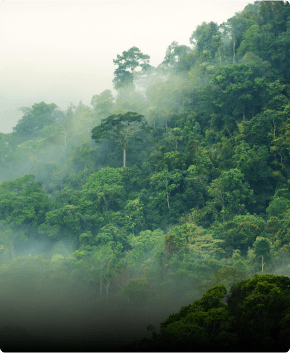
121, 128
253, 315
203, 324
258, 305
34, 120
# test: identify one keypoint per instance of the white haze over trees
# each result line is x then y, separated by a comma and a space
62, 51
138, 175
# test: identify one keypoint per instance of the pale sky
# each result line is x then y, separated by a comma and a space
62, 51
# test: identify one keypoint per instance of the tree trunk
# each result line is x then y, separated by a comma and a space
107, 289
65, 149
124, 157
274, 128
263, 263
106, 203
234, 50
220, 55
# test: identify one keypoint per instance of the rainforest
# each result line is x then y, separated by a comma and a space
157, 218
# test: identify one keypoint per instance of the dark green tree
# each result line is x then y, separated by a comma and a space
259, 305
252, 316
23, 202
229, 194
23, 206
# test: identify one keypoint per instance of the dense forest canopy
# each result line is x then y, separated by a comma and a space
178, 183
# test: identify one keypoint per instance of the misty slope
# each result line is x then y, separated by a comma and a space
140, 203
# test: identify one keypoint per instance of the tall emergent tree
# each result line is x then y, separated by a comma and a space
127, 63
120, 128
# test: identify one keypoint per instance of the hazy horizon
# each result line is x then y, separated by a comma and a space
62, 51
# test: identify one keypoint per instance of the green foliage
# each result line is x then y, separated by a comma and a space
226, 277
121, 128
105, 188
127, 63
34, 120
144, 246
278, 206
174, 56
203, 202
23, 201
175, 135
230, 194
240, 233
134, 217
207, 38
254, 164
109, 233
203, 324
262, 248
284, 333
259, 304
137, 290
165, 182
283, 233
103, 103
252, 316
60, 250
236, 89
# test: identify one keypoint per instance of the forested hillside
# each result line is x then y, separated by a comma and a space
142, 201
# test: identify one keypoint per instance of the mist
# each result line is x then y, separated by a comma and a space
73, 59
111, 211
